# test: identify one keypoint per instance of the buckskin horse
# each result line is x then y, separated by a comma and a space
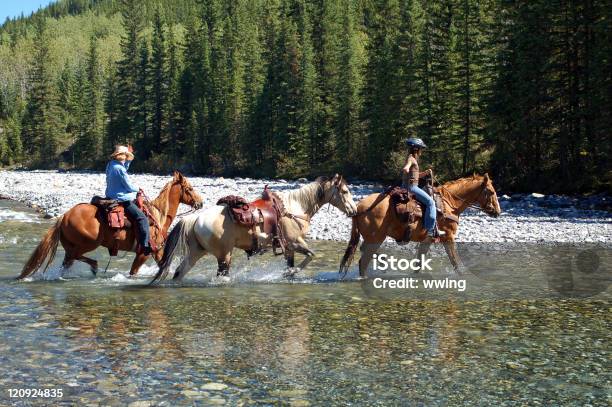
213, 231
376, 219
80, 230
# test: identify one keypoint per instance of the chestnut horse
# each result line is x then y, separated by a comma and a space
213, 230
80, 231
376, 220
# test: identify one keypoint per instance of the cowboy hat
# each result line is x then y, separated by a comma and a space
125, 150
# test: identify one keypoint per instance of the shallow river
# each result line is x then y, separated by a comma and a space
518, 334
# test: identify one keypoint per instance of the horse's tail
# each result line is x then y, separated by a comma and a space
177, 244
45, 250
347, 259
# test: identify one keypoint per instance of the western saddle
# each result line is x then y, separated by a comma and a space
116, 220
408, 209
262, 216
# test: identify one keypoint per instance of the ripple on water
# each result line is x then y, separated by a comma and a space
260, 339
7, 215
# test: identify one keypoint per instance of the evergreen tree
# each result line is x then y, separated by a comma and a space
41, 127
294, 87
172, 99
160, 84
348, 130
128, 101
93, 94
381, 100
142, 120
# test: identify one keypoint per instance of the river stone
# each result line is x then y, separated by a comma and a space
194, 394
216, 401
214, 386
140, 403
290, 393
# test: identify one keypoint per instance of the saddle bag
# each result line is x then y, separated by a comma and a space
115, 214
116, 217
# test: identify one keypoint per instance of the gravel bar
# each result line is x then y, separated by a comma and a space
525, 217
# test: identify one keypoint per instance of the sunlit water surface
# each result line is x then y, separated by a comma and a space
316, 340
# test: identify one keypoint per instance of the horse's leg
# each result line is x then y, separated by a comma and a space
68, 262
301, 247
188, 262
93, 264
367, 251
290, 255
451, 251
139, 260
423, 248
223, 265
309, 256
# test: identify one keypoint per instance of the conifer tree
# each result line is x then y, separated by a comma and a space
41, 127
160, 83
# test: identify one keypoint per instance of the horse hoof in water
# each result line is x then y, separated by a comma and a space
291, 272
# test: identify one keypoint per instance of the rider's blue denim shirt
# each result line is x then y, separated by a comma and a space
118, 185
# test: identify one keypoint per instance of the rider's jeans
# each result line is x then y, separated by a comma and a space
429, 219
136, 215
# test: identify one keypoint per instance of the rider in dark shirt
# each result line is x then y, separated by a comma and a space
410, 181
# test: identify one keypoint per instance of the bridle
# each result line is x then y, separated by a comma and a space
185, 190
483, 196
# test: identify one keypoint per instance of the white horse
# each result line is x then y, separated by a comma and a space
214, 232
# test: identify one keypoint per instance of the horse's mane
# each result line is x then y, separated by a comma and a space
161, 201
309, 195
463, 180
305, 196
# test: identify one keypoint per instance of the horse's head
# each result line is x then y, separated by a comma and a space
487, 199
335, 191
188, 195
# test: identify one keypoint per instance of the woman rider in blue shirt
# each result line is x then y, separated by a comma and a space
118, 187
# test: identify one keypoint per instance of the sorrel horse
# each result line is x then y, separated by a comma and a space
375, 221
213, 231
80, 231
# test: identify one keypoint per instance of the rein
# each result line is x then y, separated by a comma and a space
189, 212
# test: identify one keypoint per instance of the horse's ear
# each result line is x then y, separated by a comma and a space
486, 178
336, 179
177, 175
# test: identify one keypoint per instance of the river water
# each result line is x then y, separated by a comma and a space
515, 336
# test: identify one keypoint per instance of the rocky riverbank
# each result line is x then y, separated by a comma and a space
525, 218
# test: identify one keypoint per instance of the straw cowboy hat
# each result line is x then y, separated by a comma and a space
123, 150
